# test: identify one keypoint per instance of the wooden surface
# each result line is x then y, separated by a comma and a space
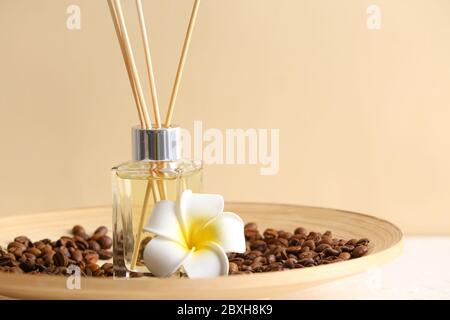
386, 243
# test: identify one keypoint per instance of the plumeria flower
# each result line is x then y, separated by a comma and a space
193, 233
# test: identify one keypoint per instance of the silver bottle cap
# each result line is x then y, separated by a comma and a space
156, 144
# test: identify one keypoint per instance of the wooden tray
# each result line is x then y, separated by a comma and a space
386, 243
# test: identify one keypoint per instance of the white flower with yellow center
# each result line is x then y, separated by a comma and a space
193, 233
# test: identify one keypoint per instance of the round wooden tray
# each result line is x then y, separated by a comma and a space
386, 243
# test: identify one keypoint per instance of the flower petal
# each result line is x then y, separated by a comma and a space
163, 257
197, 209
207, 262
164, 222
227, 230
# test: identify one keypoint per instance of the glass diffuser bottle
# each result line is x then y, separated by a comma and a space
156, 173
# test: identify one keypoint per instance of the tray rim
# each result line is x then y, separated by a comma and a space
259, 280
232, 203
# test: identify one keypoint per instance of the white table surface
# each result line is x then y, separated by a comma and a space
421, 272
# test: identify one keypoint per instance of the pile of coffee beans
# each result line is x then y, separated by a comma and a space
54, 257
274, 250
277, 250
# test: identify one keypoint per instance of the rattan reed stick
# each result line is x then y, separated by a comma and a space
184, 51
113, 12
152, 188
129, 52
148, 59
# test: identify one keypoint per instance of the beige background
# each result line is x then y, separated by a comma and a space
363, 114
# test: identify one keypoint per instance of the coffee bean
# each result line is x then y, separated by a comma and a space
310, 244
136, 275
99, 273
64, 251
78, 231
105, 254
284, 235
81, 243
251, 234
251, 226
321, 247
363, 242
46, 241
15, 270
296, 241
92, 267
257, 253
60, 260
34, 251
108, 268
270, 234
271, 243
233, 268
281, 254
105, 242
331, 252
345, 255
91, 257
17, 248
326, 240
276, 267
262, 259
48, 259
246, 267
28, 265
290, 263
64, 241
306, 255
100, 232
93, 245
29, 256
238, 261
283, 242
300, 230
314, 236
359, 251
45, 248
259, 245
305, 249
271, 258
306, 262
24, 240
347, 248
294, 249
328, 233
5, 261
337, 259
351, 242
256, 264
248, 262
76, 254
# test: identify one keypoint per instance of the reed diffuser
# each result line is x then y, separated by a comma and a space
156, 171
